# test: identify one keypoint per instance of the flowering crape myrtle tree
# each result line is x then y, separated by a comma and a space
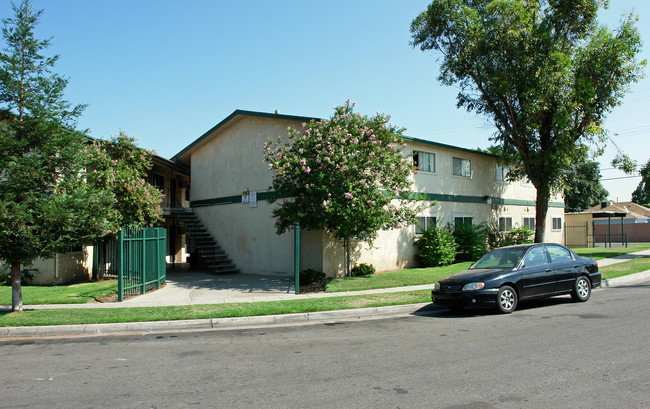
346, 176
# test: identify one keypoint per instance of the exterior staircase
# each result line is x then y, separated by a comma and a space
207, 247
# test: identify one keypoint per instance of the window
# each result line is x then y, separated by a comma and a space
559, 254
557, 223
424, 223
529, 222
424, 161
502, 173
462, 167
462, 221
159, 181
505, 223
536, 257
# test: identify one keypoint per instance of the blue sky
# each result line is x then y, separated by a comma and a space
167, 71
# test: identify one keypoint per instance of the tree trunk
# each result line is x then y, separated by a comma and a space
541, 209
346, 248
16, 290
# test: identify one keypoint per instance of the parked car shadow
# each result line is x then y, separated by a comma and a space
436, 311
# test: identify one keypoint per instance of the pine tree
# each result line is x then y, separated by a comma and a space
44, 207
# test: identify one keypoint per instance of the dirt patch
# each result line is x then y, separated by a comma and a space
317, 287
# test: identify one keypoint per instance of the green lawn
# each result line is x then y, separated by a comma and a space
62, 294
625, 268
606, 252
139, 314
400, 278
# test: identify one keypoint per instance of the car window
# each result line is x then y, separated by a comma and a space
559, 254
536, 256
501, 258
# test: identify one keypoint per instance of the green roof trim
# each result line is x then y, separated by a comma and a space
452, 147
241, 112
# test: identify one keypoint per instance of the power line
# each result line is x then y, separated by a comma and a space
622, 177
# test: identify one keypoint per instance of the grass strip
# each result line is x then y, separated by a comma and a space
399, 278
636, 265
140, 314
62, 294
599, 253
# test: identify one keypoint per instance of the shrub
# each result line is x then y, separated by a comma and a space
515, 235
520, 235
436, 247
363, 270
471, 241
310, 275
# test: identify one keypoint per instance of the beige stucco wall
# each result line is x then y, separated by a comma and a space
231, 161
227, 166
63, 268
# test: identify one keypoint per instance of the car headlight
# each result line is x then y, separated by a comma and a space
436, 286
473, 286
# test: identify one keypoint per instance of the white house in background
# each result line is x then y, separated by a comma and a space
229, 194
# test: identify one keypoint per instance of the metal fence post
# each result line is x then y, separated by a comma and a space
296, 258
120, 268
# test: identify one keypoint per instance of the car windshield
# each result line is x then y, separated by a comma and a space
501, 258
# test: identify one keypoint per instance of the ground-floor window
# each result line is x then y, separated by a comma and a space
529, 222
424, 223
505, 223
557, 223
462, 221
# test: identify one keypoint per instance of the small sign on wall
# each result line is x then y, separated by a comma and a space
245, 197
253, 198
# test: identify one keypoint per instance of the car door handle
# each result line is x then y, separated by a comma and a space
548, 270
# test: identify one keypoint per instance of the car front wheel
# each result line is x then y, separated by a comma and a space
506, 299
581, 289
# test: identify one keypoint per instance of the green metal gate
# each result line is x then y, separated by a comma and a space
141, 262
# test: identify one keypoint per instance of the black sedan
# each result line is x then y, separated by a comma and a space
504, 276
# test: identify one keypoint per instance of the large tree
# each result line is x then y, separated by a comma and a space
641, 194
542, 71
57, 189
346, 176
582, 187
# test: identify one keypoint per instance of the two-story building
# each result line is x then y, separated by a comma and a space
230, 191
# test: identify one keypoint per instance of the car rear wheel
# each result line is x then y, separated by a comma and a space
506, 299
581, 289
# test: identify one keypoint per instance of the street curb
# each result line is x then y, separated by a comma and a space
214, 323
628, 279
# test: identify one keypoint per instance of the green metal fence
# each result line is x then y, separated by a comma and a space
140, 260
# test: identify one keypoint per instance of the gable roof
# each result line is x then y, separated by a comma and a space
241, 112
633, 210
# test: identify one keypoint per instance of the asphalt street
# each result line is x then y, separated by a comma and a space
551, 353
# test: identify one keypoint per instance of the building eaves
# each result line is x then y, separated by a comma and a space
241, 112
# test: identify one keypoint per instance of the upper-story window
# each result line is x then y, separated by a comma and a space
424, 161
462, 167
502, 173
